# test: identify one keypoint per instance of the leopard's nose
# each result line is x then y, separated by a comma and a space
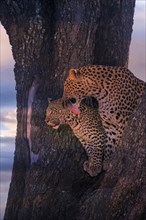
46, 120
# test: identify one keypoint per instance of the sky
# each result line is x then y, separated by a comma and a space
137, 65
137, 55
7, 117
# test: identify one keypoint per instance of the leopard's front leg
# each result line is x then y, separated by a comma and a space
93, 166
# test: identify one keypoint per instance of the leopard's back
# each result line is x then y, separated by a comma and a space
117, 90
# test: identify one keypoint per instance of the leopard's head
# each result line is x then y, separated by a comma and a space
75, 89
54, 113
58, 112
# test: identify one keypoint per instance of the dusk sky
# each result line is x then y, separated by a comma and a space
137, 65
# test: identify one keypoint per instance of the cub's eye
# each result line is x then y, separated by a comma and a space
63, 104
73, 100
49, 112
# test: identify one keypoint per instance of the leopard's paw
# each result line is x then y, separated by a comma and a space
92, 169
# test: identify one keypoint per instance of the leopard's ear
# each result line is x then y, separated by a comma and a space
73, 74
49, 100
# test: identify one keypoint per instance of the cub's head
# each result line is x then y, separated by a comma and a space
55, 113
58, 112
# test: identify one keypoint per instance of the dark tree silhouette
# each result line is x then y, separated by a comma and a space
48, 181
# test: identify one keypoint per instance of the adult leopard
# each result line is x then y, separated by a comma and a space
87, 128
117, 90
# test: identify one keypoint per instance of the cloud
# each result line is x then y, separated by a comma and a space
6, 165
6, 157
7, 89
140, 4
5, 50
137, 59
11, 132
8, 98
8, 116
140, 19
5, 179
6, 140
137, 54
8, 122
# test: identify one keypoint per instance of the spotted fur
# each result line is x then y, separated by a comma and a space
116, 89
88, 128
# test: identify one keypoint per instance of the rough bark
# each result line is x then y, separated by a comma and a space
48, 181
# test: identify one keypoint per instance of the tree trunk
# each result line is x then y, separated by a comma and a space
48, 181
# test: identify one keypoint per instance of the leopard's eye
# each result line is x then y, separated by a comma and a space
49, 111
63, 104
73, 100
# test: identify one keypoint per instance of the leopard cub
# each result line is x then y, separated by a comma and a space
87, 127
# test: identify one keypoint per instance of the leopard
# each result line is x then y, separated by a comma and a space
87, 128
116, 89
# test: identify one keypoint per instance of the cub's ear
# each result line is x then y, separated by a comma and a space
49, 100
73, 74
